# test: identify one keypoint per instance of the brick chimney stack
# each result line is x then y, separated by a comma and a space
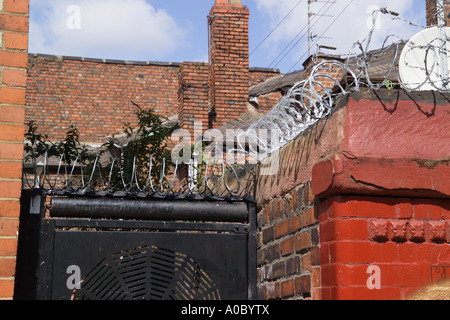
431, 12
229, 61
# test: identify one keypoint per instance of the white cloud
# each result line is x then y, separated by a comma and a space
355, 22
131, 29
351, 25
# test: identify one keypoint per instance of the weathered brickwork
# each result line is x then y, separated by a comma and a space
266, 101
95, 96
259, 75
431, 12
229, 82
288, 247
408, 239
193, 95
376, 207
365, 189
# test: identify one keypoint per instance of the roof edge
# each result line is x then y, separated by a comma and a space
131, 62
269, 70
110, 61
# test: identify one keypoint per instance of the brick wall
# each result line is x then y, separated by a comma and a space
13, 64
431, 12
332, 70
94, 95
193, 95
406, 238
288, 247
267, 101
288, 253
229, 82
376, 191
259, 75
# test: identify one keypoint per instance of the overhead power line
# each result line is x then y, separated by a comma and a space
273, 30
297, 42
329, 26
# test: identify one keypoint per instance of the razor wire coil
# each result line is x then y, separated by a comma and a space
306, 102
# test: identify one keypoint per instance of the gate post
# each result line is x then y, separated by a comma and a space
31, 214
252, 266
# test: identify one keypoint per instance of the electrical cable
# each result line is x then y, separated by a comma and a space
273, 30
297, 42
331, 24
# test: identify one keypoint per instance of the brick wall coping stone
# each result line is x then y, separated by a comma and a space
133, 62
381, 130
98, 60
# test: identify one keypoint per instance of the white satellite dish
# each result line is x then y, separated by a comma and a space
424, 62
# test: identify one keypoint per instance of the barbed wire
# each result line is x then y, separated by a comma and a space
314, 98
57, 176
305, 103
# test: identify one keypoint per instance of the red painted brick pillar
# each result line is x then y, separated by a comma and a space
229, 79
404, 239
384, 199
13, 70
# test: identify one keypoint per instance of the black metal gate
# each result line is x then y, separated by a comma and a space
105, 248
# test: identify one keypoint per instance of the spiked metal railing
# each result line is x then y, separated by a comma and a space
208, 180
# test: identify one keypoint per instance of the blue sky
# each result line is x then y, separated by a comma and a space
176, 30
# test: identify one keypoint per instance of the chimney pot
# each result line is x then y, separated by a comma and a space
221, 2
228, 2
